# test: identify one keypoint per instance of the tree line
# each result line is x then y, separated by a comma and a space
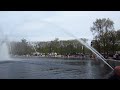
61, 47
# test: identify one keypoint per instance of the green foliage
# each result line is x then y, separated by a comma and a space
62, 47
105, 37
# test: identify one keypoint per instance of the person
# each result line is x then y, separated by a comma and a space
115, 75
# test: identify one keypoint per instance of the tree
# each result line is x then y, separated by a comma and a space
118, 34
21, 48
101, 29
118, 39
112, 39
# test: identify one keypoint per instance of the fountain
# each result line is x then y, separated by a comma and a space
81, 41
4, 52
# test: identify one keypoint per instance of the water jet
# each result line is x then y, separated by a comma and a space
4, 51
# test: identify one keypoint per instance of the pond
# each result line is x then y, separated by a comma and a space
52, 68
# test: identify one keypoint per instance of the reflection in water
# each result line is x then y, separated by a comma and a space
89, 70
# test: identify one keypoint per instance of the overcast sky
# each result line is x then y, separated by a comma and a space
48, 25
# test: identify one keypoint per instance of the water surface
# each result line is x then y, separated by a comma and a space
49, 68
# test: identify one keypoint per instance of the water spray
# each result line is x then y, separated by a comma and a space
89, 47
4, 51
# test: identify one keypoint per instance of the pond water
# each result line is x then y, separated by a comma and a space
51, 68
